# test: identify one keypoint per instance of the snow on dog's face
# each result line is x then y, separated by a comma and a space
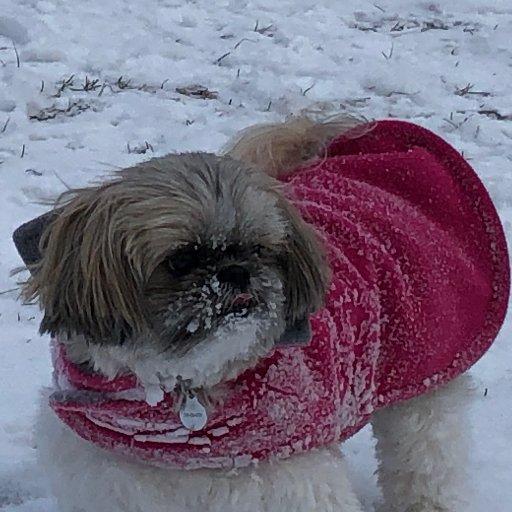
191, 265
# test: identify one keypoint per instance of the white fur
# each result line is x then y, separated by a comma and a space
223, 356
421, 446
86, 479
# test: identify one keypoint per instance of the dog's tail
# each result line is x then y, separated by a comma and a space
280, 148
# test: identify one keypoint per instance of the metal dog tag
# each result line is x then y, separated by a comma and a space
193, 414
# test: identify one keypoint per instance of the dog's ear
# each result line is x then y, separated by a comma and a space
80, 273
28, 236
307, 274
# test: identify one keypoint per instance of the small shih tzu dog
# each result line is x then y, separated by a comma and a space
221, 323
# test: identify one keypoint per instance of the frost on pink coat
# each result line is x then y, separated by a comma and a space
419, 291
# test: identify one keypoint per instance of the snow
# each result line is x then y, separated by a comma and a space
95, 89
237, 339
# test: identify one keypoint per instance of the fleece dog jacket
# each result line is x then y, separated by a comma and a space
420, 283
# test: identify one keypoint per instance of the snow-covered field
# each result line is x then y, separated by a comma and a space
89, 85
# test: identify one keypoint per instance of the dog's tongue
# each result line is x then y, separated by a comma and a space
242, 300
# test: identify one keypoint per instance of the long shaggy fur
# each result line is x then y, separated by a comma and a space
106, 274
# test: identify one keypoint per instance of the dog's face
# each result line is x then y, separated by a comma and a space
179, 255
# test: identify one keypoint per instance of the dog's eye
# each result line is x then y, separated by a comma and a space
231, 251
258, 249
184, 261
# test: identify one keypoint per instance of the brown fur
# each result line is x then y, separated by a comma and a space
111, 241
282, 147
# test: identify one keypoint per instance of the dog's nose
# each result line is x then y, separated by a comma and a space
234, 275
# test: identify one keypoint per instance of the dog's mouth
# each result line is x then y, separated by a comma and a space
242, 304
238, 307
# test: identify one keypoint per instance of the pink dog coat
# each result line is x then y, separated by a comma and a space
419, 291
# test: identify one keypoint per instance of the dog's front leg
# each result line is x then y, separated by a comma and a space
422, 450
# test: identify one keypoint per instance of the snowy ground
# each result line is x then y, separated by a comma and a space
87, 86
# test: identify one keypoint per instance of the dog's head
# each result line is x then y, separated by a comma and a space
184, 254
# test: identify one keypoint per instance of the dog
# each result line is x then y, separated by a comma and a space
220, 323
